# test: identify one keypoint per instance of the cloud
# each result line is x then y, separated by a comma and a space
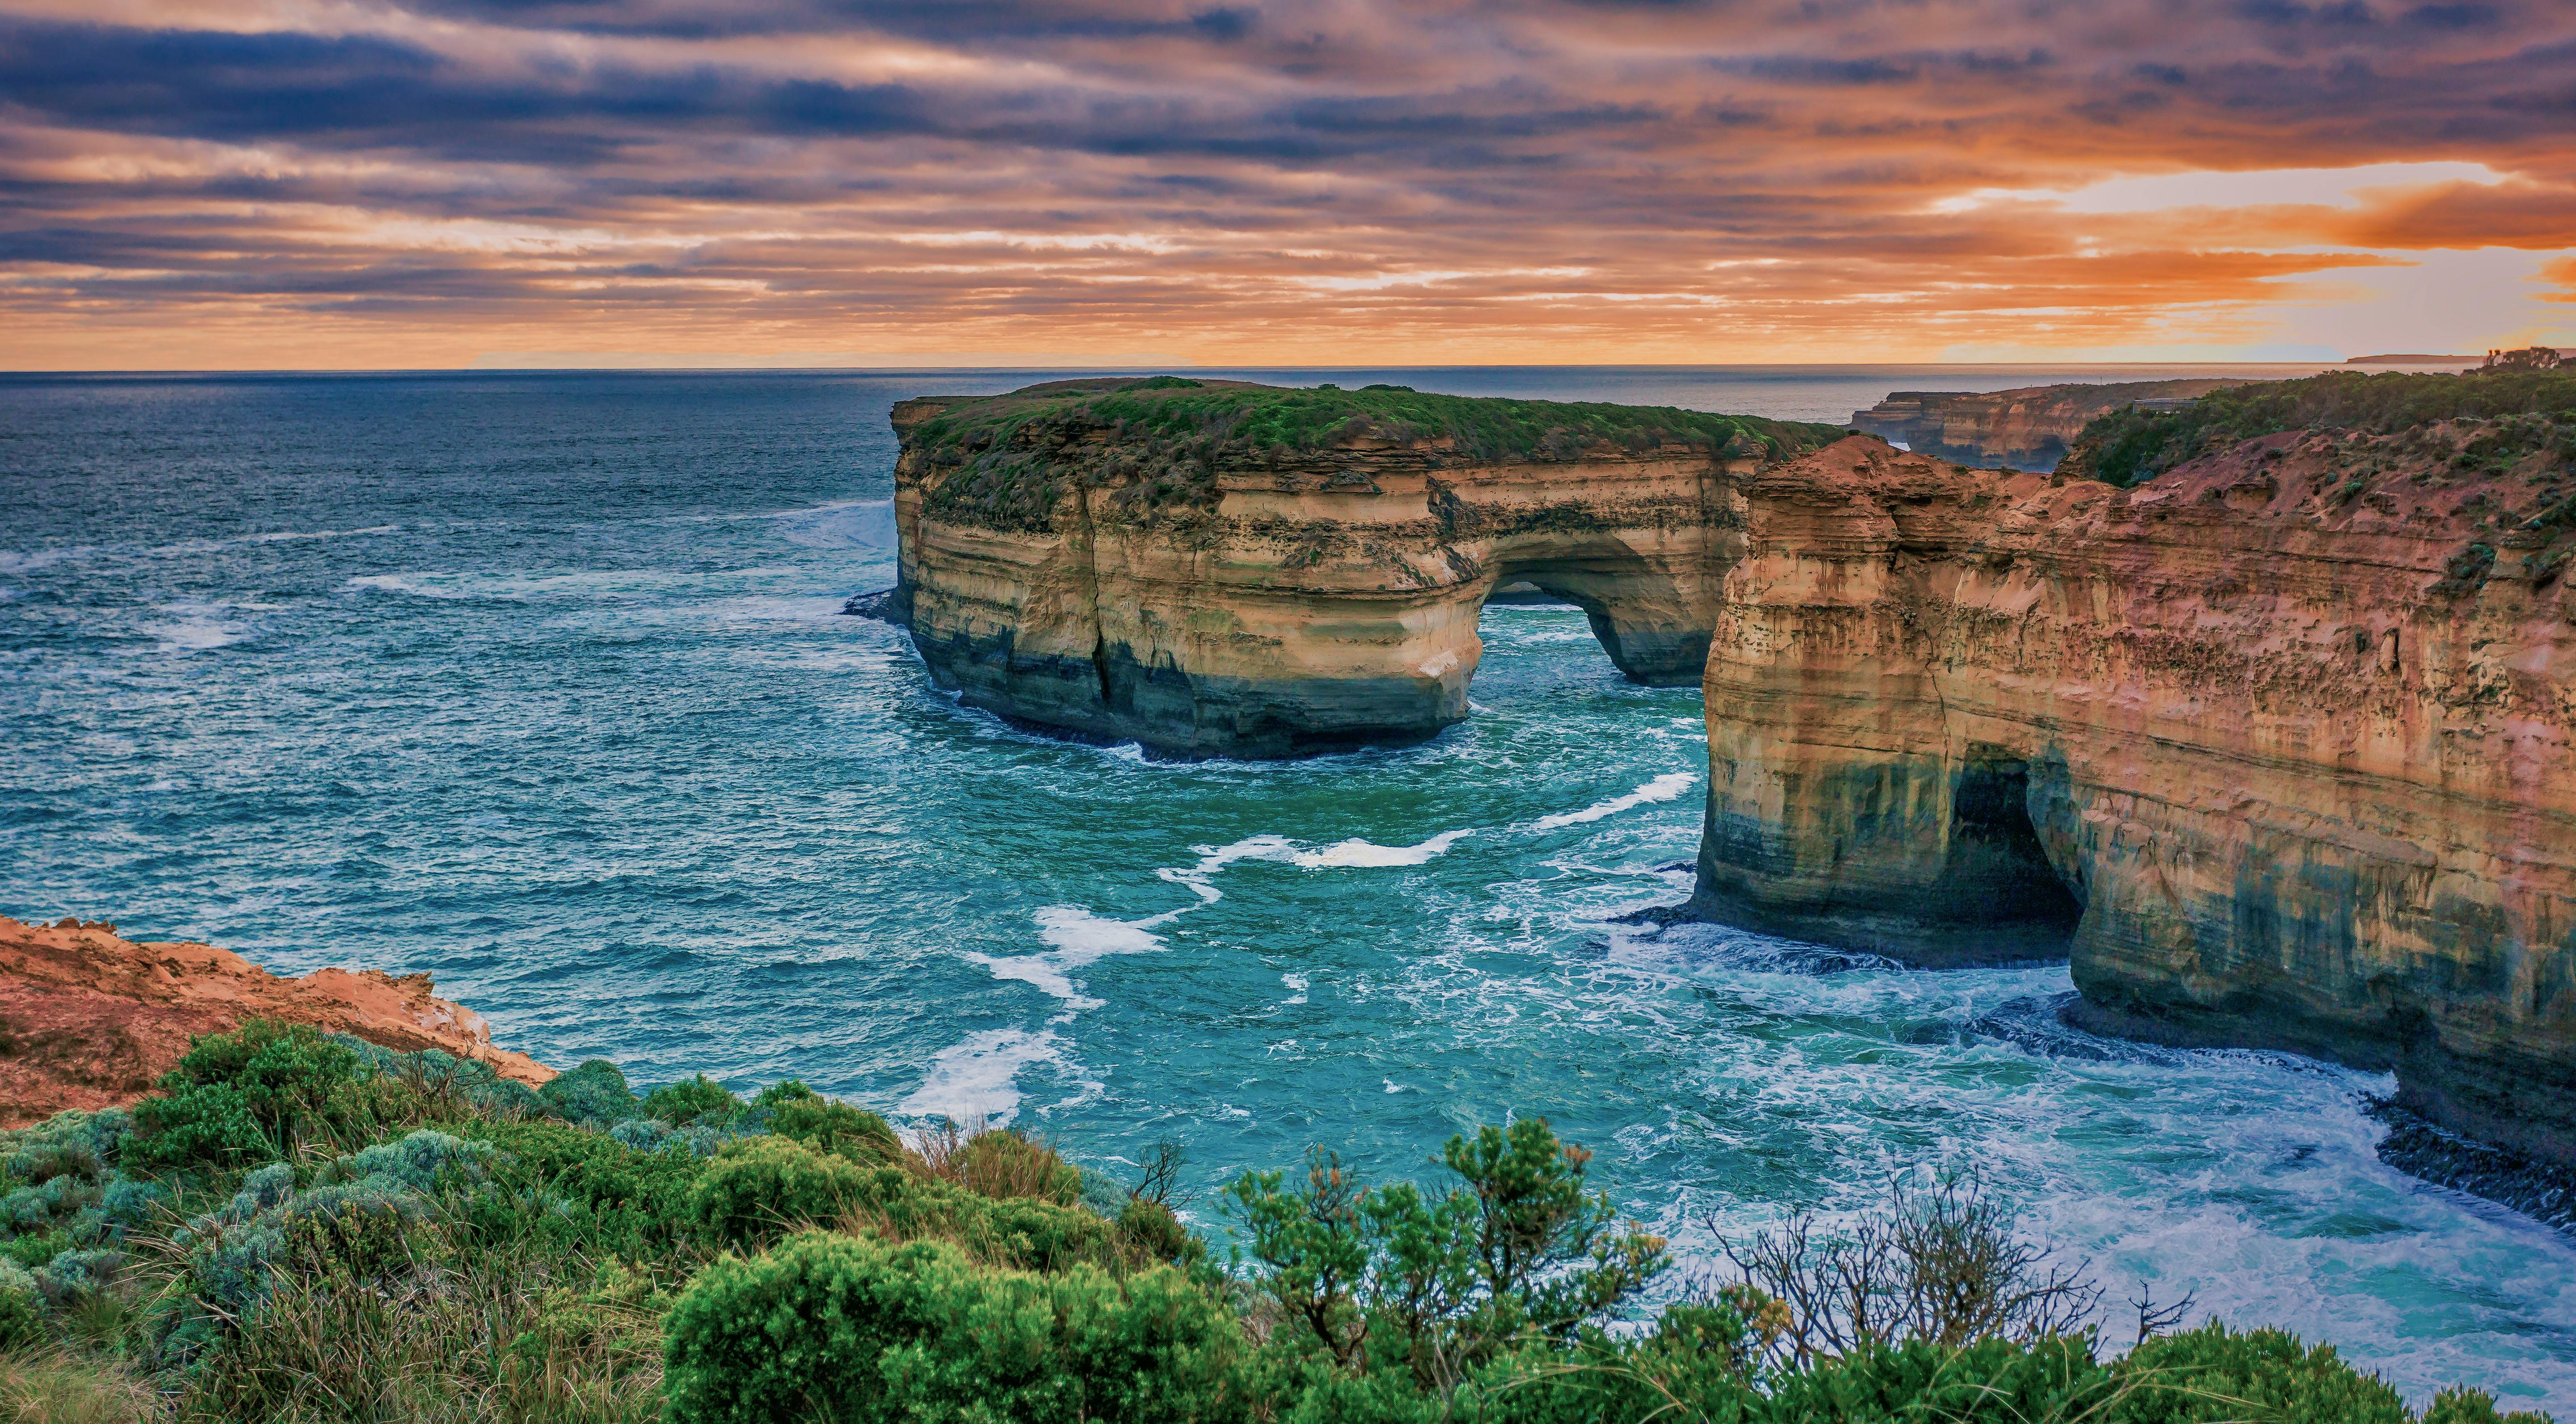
1449, 179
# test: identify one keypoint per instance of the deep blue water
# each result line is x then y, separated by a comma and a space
534, 682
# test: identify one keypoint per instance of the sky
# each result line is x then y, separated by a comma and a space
319, 184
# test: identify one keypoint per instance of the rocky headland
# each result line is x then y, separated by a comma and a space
2030, 428
90, 1020
2275, 747
2258, 709
1224, 569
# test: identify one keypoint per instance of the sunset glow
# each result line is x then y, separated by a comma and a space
346, 183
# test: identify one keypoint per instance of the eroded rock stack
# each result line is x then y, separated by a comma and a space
1217, 568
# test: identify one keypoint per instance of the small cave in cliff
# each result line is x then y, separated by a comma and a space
1997, 869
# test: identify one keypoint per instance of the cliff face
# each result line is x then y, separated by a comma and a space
2026, 429
1220, 595
89, 1020
2275, 746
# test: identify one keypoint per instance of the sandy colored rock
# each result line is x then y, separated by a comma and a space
2275, 746
1316, 599
2026, 428
89, 1020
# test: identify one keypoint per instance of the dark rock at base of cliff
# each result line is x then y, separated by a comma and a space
2540, 1190
1174, 715
884, 605
1729, 947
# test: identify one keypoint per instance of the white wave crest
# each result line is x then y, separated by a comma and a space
196, 628
1076, 938
1662, 788
978, 1079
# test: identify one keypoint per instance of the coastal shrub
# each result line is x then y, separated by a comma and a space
73, 1143
798, 1112
22, 1322
239, 1098
1989, 1381
690, 1100
859, 1330
2534, 410
1447, 1282
1009, 461
433, 1083
698, 1139
356, 1217
1940, 1263
29, 1250
762, 1187
1154, 1232
2212, 1373
1000, 1162
2474, 1406
590, 1192
596, 1092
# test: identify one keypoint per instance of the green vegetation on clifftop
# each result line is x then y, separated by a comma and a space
1159, 443
2520, 413
301, 1227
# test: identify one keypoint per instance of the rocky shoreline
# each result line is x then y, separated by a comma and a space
2274, 746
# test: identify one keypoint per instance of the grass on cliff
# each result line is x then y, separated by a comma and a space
1158, 443
300, 1227
2521, 413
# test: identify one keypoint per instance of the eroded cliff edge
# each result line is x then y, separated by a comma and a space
1226, 569
2275, 747
89, 1019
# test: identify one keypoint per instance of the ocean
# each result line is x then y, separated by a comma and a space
537, 683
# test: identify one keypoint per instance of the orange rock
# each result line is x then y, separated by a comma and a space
89, 1020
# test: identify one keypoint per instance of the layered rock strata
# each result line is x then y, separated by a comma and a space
2030, 428
1066, 561
89, 1019
2275, 747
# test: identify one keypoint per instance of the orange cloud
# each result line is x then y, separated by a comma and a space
1524, 180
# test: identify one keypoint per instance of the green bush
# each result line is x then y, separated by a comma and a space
2474, 1406
1005, 1163
857, 1331
798, 1112
237, 1099
592, 1192
434, 1083
1992, 1381
22, 1323
2212, 1373
758, 1188
691, 1100
1150, 1229
595, 1092
1443, 1283
761, 1187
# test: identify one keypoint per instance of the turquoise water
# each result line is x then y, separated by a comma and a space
536, 684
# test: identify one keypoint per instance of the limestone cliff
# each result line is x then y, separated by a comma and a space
89, 1019
2275, 745
2029, 428
1218, 568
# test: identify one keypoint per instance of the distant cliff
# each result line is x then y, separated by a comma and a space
2276, 745
2025, 429
1224, 569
